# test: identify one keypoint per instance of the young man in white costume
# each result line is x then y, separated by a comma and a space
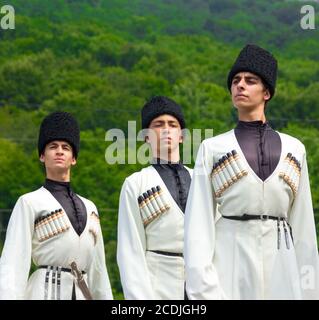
56, 228
151, 211
264, 244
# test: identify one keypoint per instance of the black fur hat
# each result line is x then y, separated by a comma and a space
59, 126
161, 105
258, 61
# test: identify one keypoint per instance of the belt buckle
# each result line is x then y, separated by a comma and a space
264, 217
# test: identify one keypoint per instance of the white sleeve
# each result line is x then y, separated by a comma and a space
98, 279
199, 242
16, 254
301, 219
131, 248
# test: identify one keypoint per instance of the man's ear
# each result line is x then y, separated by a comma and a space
42, 158
267, 95
73, 161
182, 135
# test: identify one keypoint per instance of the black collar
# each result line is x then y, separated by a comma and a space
167, 164
253, 125
162, 161
52, 185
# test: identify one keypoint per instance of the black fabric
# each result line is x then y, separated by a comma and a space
59, 126
247, 217
166, 253
258, 61
185, 293
70, 202
158, 106
261, 146
176, 178
73, 292
62, 269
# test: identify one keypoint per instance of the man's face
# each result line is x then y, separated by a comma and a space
58, 156
248, 92
165, 135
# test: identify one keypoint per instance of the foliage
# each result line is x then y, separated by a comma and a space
102, 59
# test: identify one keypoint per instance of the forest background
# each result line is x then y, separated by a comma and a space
102, 59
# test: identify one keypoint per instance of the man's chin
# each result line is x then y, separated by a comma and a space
244, 106
60, 168
165, 145
165, 151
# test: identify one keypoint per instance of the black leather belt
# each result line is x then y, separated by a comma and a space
62, 269
265, 217
246, 217
165, 253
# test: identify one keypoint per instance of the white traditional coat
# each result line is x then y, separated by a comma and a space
146, 275
250, 259
24, 240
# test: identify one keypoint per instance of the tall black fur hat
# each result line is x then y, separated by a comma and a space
159, 105
59, 126
258, 61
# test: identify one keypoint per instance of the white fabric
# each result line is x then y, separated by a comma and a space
22, 244
146, 275
228, 259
